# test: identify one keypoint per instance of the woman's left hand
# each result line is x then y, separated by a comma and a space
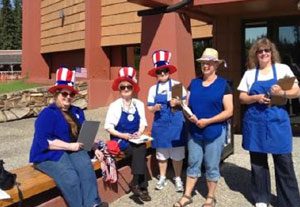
201, 123
99, 155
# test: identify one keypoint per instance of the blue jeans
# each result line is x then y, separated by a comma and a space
74, 175
210, 152
286, 181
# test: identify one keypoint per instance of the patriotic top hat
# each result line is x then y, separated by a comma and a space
161, 60
65, 79
126, 74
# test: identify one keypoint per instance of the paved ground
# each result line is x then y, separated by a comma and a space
233, 189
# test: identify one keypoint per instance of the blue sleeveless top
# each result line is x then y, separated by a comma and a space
206, 102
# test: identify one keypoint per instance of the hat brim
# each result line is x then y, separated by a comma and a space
172, 69
115, 85
54, 89
209, 59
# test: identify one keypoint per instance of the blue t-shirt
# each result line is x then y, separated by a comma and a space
51, 124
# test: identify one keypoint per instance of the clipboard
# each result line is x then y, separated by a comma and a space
177, 91
285, 83
142, 139
87, 134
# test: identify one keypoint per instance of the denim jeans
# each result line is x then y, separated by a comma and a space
286, 181
74, 175
208, 151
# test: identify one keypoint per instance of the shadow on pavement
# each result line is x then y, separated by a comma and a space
239, 179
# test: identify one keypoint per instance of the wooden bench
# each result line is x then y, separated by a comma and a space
40, 189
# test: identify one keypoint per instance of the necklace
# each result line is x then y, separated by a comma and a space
126, 105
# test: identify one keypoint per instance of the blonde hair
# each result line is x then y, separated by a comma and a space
252, 61
72, 124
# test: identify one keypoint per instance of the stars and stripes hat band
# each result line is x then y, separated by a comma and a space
126, 74
161, 59
65, 78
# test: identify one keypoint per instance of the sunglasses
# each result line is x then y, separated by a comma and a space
123, 87
267, 50
66, 94
208, 62
159, 72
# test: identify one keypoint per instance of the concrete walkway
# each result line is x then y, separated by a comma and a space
233, 188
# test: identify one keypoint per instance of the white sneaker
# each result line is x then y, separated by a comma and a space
261, 205
162, 182
178, 184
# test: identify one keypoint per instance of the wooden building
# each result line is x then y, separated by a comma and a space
102, 35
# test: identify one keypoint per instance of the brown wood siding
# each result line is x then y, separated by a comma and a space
121, 25
200, 29
69, 36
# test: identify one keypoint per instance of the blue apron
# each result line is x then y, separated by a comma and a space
168, 126
128, 123
266, 129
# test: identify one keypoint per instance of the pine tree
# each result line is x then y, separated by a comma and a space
18, 24
8, 26
1, 24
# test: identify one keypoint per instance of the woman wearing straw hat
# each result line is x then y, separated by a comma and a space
168, 124
55, 149
210, 99
267, 127
126, 120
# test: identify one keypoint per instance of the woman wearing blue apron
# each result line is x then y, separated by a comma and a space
210, 99
126, 120
266, 127
168, 124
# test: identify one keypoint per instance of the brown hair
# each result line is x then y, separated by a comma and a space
72, 124
252, 61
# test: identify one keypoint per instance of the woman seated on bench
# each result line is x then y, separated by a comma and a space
126, 120
55, 150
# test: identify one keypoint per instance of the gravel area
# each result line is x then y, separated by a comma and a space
233, 188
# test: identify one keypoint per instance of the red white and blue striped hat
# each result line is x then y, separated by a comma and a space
161, 60
126, 74
65, 79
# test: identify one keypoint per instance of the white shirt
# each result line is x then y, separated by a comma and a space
115, 110
248, 79
163, 89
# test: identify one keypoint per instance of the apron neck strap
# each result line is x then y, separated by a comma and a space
273, 69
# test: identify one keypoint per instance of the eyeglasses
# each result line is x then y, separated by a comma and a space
123, 87
159, 72
66, 94
267, 50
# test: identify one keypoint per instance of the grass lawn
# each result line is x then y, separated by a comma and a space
16, 85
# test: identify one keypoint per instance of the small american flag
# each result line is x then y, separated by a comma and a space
81, 72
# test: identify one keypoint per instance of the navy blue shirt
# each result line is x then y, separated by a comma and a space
51, 124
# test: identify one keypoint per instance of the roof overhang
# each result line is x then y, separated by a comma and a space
205, 10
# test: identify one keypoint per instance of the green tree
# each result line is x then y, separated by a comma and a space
7, 26
18, 24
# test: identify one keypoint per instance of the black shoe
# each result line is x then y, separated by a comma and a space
145, 196
135, 189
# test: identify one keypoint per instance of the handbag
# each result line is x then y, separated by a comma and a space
7, 179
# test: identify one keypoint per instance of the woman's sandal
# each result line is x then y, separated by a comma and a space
212, 203
189, 201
